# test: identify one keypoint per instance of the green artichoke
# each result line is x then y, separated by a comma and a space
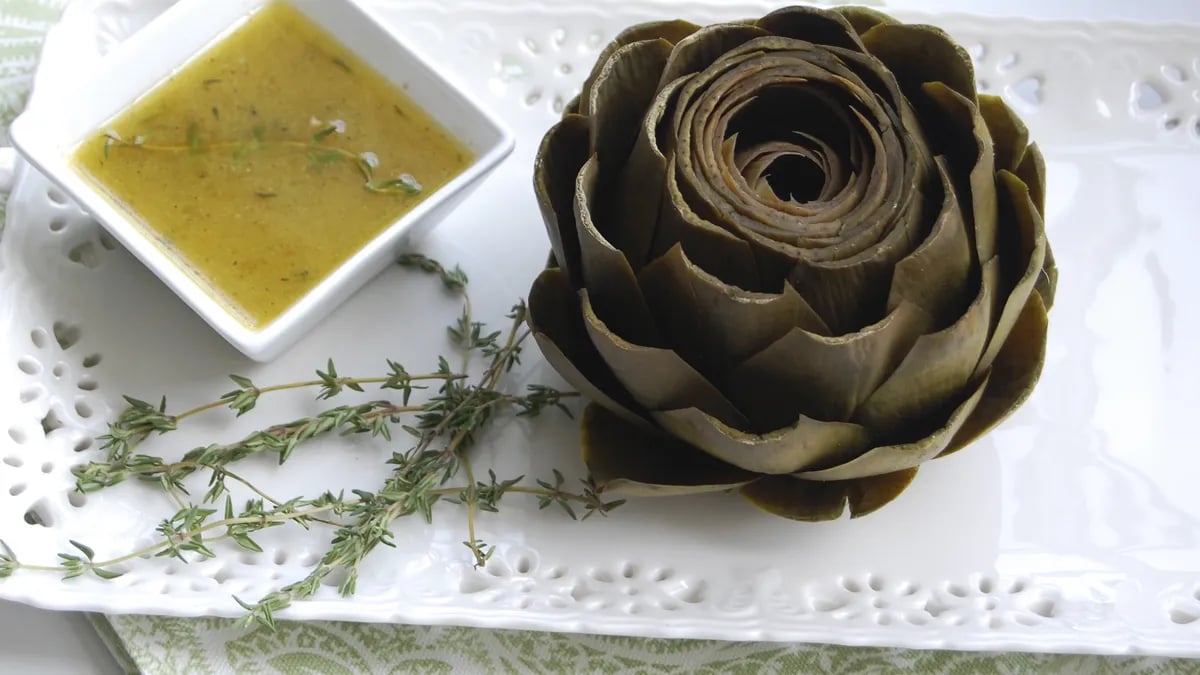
797, 257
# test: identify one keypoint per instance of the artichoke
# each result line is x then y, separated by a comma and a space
796, 257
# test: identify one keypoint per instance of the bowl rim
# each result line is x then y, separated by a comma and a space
38, 136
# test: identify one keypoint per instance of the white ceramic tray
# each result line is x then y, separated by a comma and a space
1075, 526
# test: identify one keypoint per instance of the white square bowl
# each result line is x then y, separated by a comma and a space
48, 133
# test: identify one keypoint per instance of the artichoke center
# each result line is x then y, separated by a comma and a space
796, 178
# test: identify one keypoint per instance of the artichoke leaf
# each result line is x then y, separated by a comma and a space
863, 19
671, 31
961, 113
556, 320
887, 459
620, 94
867, 495
806, 444
939, 366
891, 458
822, 377
805, 501
1026, 226
562, 154
1010, 136
607, 274
636, 215
813, 25
658, 379
1047, 281
1032, 172
936, 275
715, 250
812, 501
1013, 376
629, 459
704, 47
852, 291
892, 202
917, 54
714, 325
572, 107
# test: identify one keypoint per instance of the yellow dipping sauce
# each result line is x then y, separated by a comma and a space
269, 160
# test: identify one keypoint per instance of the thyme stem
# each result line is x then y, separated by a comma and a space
345, 381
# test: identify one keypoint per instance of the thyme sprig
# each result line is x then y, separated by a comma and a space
440, 432
318, 153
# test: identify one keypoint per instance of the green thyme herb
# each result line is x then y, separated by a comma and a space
434, 437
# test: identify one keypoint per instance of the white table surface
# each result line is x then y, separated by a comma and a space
40, 642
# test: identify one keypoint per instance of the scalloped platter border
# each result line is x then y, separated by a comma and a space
1073, 527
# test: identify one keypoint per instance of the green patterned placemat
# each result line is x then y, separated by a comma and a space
162, 646
215, 647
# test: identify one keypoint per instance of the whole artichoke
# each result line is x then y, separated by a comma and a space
798, 256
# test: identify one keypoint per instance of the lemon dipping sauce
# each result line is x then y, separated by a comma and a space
222, 164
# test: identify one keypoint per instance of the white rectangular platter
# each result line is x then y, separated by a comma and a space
1075, 526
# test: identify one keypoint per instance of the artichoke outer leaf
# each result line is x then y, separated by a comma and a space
818, 26
805, 501
936, 275
918, 54
556, 320
623, 90
704, 47
1032, 172
1027, 225
671, 31
807, 443
629, 459
963, 113
714, 325
810, 501
867, 495
891, 458
562, 154
607, 274
572, 107
822, 377
658, 379
1013, 375
939, 367
863, 19
1010, 136
1048, 279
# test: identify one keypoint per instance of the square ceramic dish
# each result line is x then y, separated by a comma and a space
49, 131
